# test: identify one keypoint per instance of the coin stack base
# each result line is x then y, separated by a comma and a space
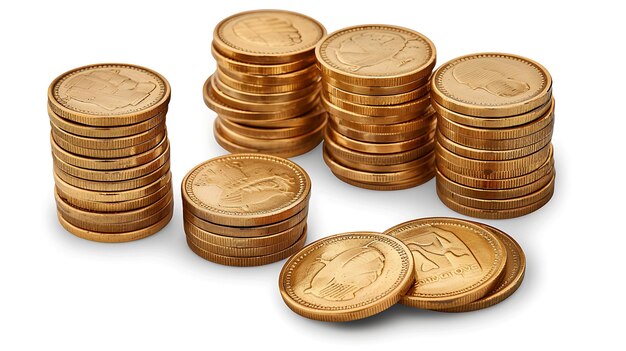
110, 152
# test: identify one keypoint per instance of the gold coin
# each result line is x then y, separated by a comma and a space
376, 90
111, 217
341, 113
268, 133
511, 277
316, 114
380, 147
310, 73
245, 232
376, 100
263, 97
110, 153
491, 155
491, 85
497, 144
376, 55
456, 261
115, 237
246, 190
492, 194
109, 164
263, 89
108, 143
493, 214
234, 148
114, 228
419, 122
112, 186
401, 185
380, 137
112, 207
267, 36
109, 94
376, 159
418, 162
106, 132
262, 69
414, 106
248, 261
346, 276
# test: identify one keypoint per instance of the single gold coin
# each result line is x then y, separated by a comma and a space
379, 147
415, 106
456, 262
110, 94
248, 261
108, 143
232, 147
372, 90
491, 155
113, 186
110, 163
376, 55
234, 84
117, 206
401, 185
419, 162
376, 100
246, 190
260, 69
380, 137
512, 276
354, 117
491, 85
109, 153
268, 36
346, 276
269, 133
419, 122
263, 97
309, 73
115, 237
315, 115
278, 228
497, 144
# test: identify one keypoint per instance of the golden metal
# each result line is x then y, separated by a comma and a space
375, 90
233, 147
262, 89
379, 137
261, 69
269, 145
376, 100
113, 186
313, 116
491, 155
415, 106
106, 142
382, 168
109, 153
405, 184
380, 147
497, 144
264, 97
117, 206
353, 117
269, 133
421, 122
310, 73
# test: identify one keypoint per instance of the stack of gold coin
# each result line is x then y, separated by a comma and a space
375, 87
110, 151
246, 209
266, 87
441, 264
495, 117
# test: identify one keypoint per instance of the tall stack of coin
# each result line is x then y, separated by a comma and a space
266, 87
246, 209
110, 151
495, 121
375, 87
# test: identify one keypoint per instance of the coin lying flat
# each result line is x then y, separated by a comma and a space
346, 276
456, 262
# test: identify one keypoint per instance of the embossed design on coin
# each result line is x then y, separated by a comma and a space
492, 76
341, 276
267, 30
369, 49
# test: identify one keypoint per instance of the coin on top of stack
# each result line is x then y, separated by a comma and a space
375, 87
495, 118
110, 151
265, 90
246, 209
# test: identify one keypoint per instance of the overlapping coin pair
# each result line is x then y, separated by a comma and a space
442, 264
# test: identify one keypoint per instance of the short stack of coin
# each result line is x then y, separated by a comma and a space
495, 117
246, 209
266, 86
110, 151
441, 264
375, 87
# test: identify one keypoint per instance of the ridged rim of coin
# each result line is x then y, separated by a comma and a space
266, 144
317, 112
347, 72
389, 290
233, 147
263, 89
110, 153
107, 143
114, 207
376, 90
310, 73
366, 119
378, 168
379, 147
248, 54
249, 261
112, 186
260, 69
494, 214
417, 123
405, 184
370, 137
109, 164
241, 218
490, 155
110, 118
492, 194
497, 144
117, 237
480, 107
420, 297
264, 97
267, 133
512, 277
415, 106
376, 100
105, 132
111, 217
245, 232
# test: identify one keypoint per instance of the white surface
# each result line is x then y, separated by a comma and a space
59, 291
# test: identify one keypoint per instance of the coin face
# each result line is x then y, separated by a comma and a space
491, 85
269, 34
246, 189
346, 276
370, 53
108, 90
456, 262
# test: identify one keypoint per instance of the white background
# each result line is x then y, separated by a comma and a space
58, 291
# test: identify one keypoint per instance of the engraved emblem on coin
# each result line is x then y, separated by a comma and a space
107, 89
371, 48
492, 76
440, 254
340, 277
267, 30
248, 189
